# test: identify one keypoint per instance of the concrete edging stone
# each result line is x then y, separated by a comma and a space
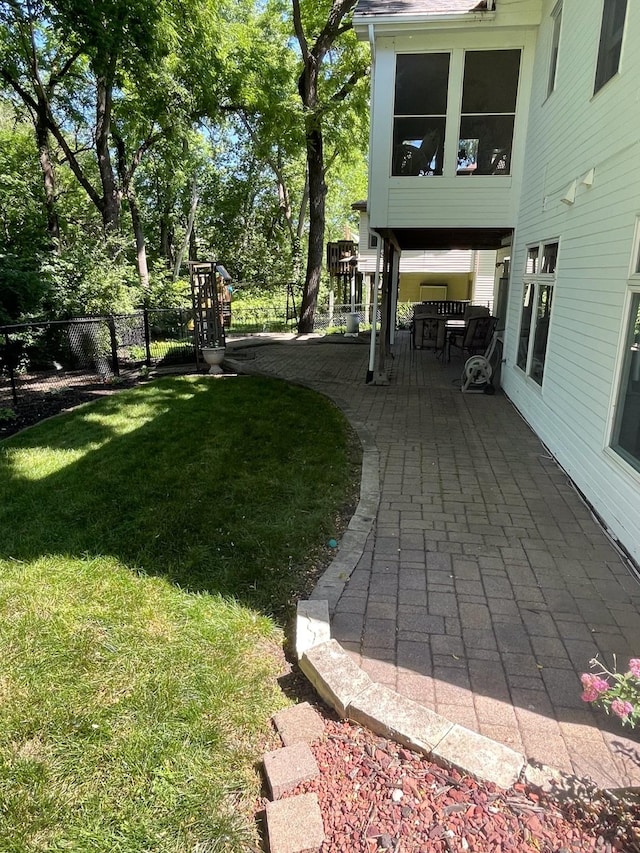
345, 687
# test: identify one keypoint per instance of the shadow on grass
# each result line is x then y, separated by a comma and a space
220, 486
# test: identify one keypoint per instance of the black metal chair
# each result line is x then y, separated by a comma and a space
429, 333
475, 337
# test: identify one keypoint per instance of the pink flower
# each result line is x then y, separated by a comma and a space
634, 667
621, 709
593, 684
589, 695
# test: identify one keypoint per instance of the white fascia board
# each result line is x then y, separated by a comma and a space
394, 24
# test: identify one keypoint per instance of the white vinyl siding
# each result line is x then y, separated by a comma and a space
569, 135
485, 279
454, 205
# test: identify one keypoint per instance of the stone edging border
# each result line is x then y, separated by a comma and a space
345, 687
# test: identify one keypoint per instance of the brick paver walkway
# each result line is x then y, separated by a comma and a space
486, 586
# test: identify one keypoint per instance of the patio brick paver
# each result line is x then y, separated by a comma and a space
485, 585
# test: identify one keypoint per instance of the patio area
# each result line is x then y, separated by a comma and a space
486, 586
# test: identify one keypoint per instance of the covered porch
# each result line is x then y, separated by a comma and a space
391, 244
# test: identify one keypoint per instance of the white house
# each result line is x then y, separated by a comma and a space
514, 125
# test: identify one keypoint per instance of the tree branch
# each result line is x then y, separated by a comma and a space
299, 30
28, 99
74, 165
54, 79
333, 28
348, 87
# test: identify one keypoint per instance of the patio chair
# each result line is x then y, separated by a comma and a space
475, 337
429, 333
475, 311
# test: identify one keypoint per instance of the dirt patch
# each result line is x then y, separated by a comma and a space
41, 399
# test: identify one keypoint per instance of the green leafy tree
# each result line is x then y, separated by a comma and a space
133, 73
23, 239
261, 145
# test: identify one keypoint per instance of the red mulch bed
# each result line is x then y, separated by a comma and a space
376, 796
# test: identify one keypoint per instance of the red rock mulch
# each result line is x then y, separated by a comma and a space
376, 796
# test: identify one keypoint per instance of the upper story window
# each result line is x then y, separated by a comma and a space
426, 125
613, 17
422, 83
489, 92
556, 17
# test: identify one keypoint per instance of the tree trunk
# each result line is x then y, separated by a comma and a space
315, 255
312, 58
141, 247
187, 237
111, 194
166, 238
297, 240
48, 174
193, 245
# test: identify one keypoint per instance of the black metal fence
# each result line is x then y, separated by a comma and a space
85, 353
56, 356
247, 320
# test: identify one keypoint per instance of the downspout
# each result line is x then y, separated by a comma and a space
374, 310
376, 281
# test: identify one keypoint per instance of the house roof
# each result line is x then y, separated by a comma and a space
419, 7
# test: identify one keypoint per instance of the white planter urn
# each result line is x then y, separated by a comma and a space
214, 357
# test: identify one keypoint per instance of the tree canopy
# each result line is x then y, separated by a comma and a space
136, 135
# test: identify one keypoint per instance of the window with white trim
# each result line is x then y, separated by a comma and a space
626, 431
489, 94
610, 48
420, 113
556, 17
427, 85
537, 297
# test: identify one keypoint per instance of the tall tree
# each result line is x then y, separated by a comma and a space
141, 71
23, 238
332, 66
265, 115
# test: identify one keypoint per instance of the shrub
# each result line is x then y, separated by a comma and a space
617, 692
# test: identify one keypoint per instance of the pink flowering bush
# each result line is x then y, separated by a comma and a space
617, 692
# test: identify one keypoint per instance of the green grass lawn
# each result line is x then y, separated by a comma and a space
152, 546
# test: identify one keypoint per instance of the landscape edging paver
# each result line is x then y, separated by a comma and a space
354, 696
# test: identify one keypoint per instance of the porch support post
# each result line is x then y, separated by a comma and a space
374, 311
393, 307
383, 342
